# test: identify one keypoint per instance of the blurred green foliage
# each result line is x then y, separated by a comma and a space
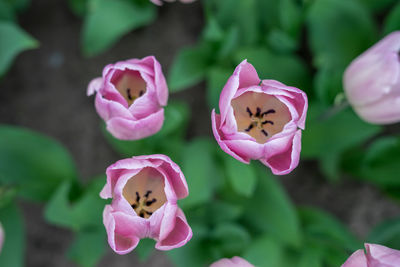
233, 208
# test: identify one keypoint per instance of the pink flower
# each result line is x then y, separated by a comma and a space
234, 262
130, 97
144, 192
260, 120
376, 256
372, 82
159, 2
1, 237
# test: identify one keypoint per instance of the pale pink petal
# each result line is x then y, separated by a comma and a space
357, 259
2, 235
125, 129
285, 162
234, 262
178, 236
94, 85
381, 256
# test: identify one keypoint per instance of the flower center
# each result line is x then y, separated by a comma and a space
260, 115
145, 192
130, 85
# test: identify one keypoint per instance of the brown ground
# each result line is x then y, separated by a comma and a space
46, 90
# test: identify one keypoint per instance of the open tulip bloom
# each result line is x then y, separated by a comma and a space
372, 82
144, 192
260, 120
234, 262
130, 97
375, 256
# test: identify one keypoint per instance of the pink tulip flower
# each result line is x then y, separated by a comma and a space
159, 2
144, 192
260, 120
234, 262
375, 256
130, 97
1, 237
372, 82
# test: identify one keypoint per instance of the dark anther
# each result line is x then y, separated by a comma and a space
265, 122
250, 127
128, 91
264, 132
134, 206
141, 92
268, 112
258, 112
148, 193
148, 212
148, 203
137, 197
249, 111
141, 214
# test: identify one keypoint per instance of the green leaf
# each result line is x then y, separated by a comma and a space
33, 162
241, 176
195, 253
88, 247
231, 238
287, 68
276, 215
309, 258
145, 248
13, 251
291, 17
107, 21
200, 171
240, 14
326, 230
7, 13
265, 252
381, 162
328, 83
189, 67
386, 233
392, 21
79, 7
339, 31
86, 212
281, 41
13, 40
216, 79
333, 132
378, 6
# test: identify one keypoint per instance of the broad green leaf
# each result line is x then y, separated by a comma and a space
291, 17
242, 177
216, 80
240, 14
145, 248
378, 6
333, 132
6, 12
18, 5
325, 229
107, 21
309, 258
392, 21
287, 68
189, 67
328, 83
270, 210
33, 163
231, 238
281, 41
265, 252
13, 40
88, 247
86, 212
200, 170
221, 211
339, 31
196, 253
381, 162
13, 251
269, 14
79, 7
386, 233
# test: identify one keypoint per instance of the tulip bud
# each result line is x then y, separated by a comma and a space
375, 256
372, 82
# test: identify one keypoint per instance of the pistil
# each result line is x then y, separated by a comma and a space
257, 120
141, 204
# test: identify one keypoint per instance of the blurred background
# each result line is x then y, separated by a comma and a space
51, 49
